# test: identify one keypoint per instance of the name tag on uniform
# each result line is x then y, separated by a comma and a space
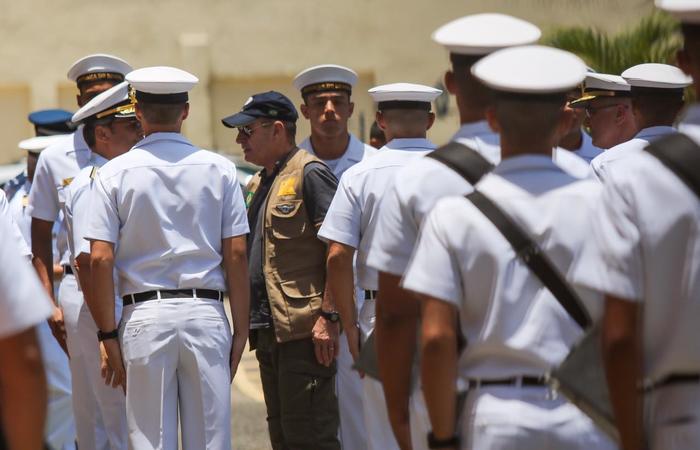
25, 201
67, 181
287, 187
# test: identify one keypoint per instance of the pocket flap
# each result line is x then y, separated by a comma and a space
302, 288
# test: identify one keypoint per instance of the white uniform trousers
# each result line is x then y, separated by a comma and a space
349, 392
526, 418
673, 417
59, 431
99, 410
380, 436
176, 353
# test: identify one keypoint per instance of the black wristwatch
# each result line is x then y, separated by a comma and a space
433, 442
331, 316
102, 335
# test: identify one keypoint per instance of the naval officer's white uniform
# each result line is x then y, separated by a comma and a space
512, 324
417, 186
349, 220
348, 386
167, 205
57, 166
60, 424
657, 77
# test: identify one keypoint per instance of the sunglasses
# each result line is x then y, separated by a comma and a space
248, 130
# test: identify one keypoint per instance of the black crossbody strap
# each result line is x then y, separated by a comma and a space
464, 160
681, 155
531, 254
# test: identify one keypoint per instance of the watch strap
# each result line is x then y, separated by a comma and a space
434, 443
102, 335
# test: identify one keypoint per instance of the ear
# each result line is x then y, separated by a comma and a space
379, 117
352, 108
450, 84
78, 100
138, 113
304, 110
102, 133
492, 120
431, 120
185, 111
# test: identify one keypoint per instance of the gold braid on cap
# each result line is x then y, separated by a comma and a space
99, 76
326, 86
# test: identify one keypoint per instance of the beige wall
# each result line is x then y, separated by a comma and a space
239, 47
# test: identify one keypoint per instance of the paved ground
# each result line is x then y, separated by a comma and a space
249, 427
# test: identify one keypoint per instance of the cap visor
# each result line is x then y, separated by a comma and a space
581, 102
238, 120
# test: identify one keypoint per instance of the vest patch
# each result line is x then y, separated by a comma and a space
285, 208
287, 187
249, 198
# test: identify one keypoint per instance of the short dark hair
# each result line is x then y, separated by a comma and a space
161, 114
526, 119
291, 129
89, 130
659, 107
472, 90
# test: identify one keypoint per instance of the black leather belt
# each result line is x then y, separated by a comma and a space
173, 293
67, 269
370, 295
513, 381
670, 380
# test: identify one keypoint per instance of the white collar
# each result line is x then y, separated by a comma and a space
408, 144
472, 129
157, 137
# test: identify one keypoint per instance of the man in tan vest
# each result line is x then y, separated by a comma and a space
294, 335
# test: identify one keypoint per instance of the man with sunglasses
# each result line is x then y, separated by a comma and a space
110, 129
607, 106
294, 335
57, 166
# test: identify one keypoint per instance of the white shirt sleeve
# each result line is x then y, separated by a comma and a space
433, 269
22, 245
395, 234
23, 302
104, 222
43, 197
80, 201
611, 260
234, 220
343, 218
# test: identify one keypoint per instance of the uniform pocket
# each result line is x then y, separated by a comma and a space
287, 221
303, 297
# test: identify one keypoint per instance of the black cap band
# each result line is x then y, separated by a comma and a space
401, 104
673, 92
163, 99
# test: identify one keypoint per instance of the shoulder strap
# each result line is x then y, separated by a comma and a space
531, 254
464, 160
681, 155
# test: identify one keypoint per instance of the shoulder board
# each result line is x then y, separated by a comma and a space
93, 172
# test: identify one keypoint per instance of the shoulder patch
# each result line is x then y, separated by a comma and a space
287, 187
67, 181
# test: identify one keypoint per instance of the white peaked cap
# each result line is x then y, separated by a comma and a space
105, 102
480, 34
99, 63
687, 11
532, 69
659, 76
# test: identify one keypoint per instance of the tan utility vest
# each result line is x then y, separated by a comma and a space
294, 259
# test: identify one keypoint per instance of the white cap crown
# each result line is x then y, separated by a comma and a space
480, 34
103, 102
325, 77
532, 69
98, 66
407, 92
654, 75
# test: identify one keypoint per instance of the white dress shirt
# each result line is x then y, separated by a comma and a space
618, 155
167, 205
354, 153
23, 302
57, 166
512, 323
353, 211
645, 247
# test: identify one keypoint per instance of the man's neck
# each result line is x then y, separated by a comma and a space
162, 129
330, 148
572, 141
270, 168
510, 149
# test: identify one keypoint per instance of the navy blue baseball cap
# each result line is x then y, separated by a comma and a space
268, 105
48, 122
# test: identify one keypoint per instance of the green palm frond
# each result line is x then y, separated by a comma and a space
656, 38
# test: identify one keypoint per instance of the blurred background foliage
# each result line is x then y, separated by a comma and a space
655, 38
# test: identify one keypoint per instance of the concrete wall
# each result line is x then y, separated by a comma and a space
239, 47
